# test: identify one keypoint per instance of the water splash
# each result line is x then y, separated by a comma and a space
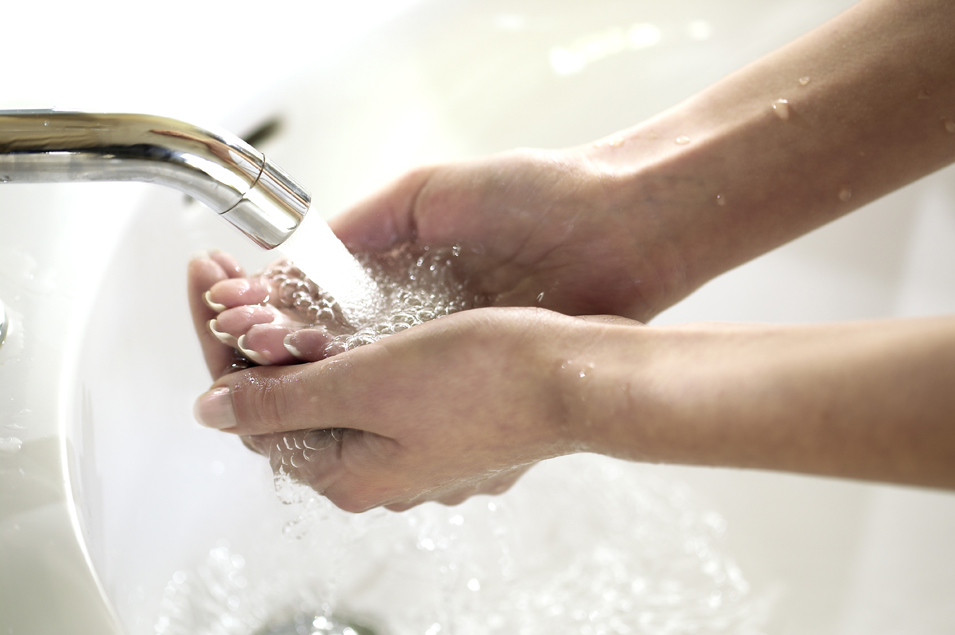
412, 285
323, 257
10, 445
582, 544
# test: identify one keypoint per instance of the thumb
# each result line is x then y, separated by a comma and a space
385, 218
269, 399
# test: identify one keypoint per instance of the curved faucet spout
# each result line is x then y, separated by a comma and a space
216, 168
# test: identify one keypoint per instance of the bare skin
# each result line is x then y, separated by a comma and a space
628, 226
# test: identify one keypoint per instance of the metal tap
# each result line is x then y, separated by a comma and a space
216, 168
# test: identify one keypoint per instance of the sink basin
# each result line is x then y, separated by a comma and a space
118, 514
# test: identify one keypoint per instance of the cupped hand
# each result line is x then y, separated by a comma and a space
552, 229
454, 407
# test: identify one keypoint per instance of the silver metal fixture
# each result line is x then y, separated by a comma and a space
216, 168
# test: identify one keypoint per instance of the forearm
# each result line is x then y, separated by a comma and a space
871, 107
865, 400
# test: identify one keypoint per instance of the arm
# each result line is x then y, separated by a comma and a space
870, 400
877, 112
461, 405
633, 223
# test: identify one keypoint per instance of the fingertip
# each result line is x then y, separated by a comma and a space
264, 344
228, 262
309, 345
212, 304
232, 292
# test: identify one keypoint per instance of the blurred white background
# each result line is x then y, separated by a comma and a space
190, 59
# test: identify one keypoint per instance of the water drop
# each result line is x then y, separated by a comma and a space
949, 125
540, 297
804, 80
924, 95
617, 142
474, 584
781, 108
720, 200
9, 445
682, 140
845, 193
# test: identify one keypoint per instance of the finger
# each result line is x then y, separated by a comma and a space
229, 264
324, 394
385, 218
312, 345
235, 292
237, 322
310, 457
349, 467
497, 484
202, 274
265, 344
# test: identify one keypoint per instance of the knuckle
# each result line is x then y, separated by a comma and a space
262, 404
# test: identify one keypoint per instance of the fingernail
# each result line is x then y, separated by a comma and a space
215, 410
291, 347
215, 306
255, 356
222, 336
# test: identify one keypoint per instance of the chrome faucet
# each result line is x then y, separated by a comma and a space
216, 168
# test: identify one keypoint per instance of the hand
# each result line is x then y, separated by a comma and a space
454, 407
549, 229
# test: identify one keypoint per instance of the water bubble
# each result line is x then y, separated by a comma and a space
720, 200
10, 445
804, 80
949, 125
781, 108
845, 193
682, 140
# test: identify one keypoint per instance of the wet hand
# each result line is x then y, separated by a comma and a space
445, 410
550, 229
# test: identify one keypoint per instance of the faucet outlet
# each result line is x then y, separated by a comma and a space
216, 168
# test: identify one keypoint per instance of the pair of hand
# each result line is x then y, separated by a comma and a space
461, 405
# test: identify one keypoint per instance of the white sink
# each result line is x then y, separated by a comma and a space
119, 514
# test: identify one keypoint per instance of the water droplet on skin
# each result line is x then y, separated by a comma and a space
617, 142
781, 108
804, 80
720, 200
845, 193
682, 140
924, 95
949, 125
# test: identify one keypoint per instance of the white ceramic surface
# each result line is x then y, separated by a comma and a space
115, 489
